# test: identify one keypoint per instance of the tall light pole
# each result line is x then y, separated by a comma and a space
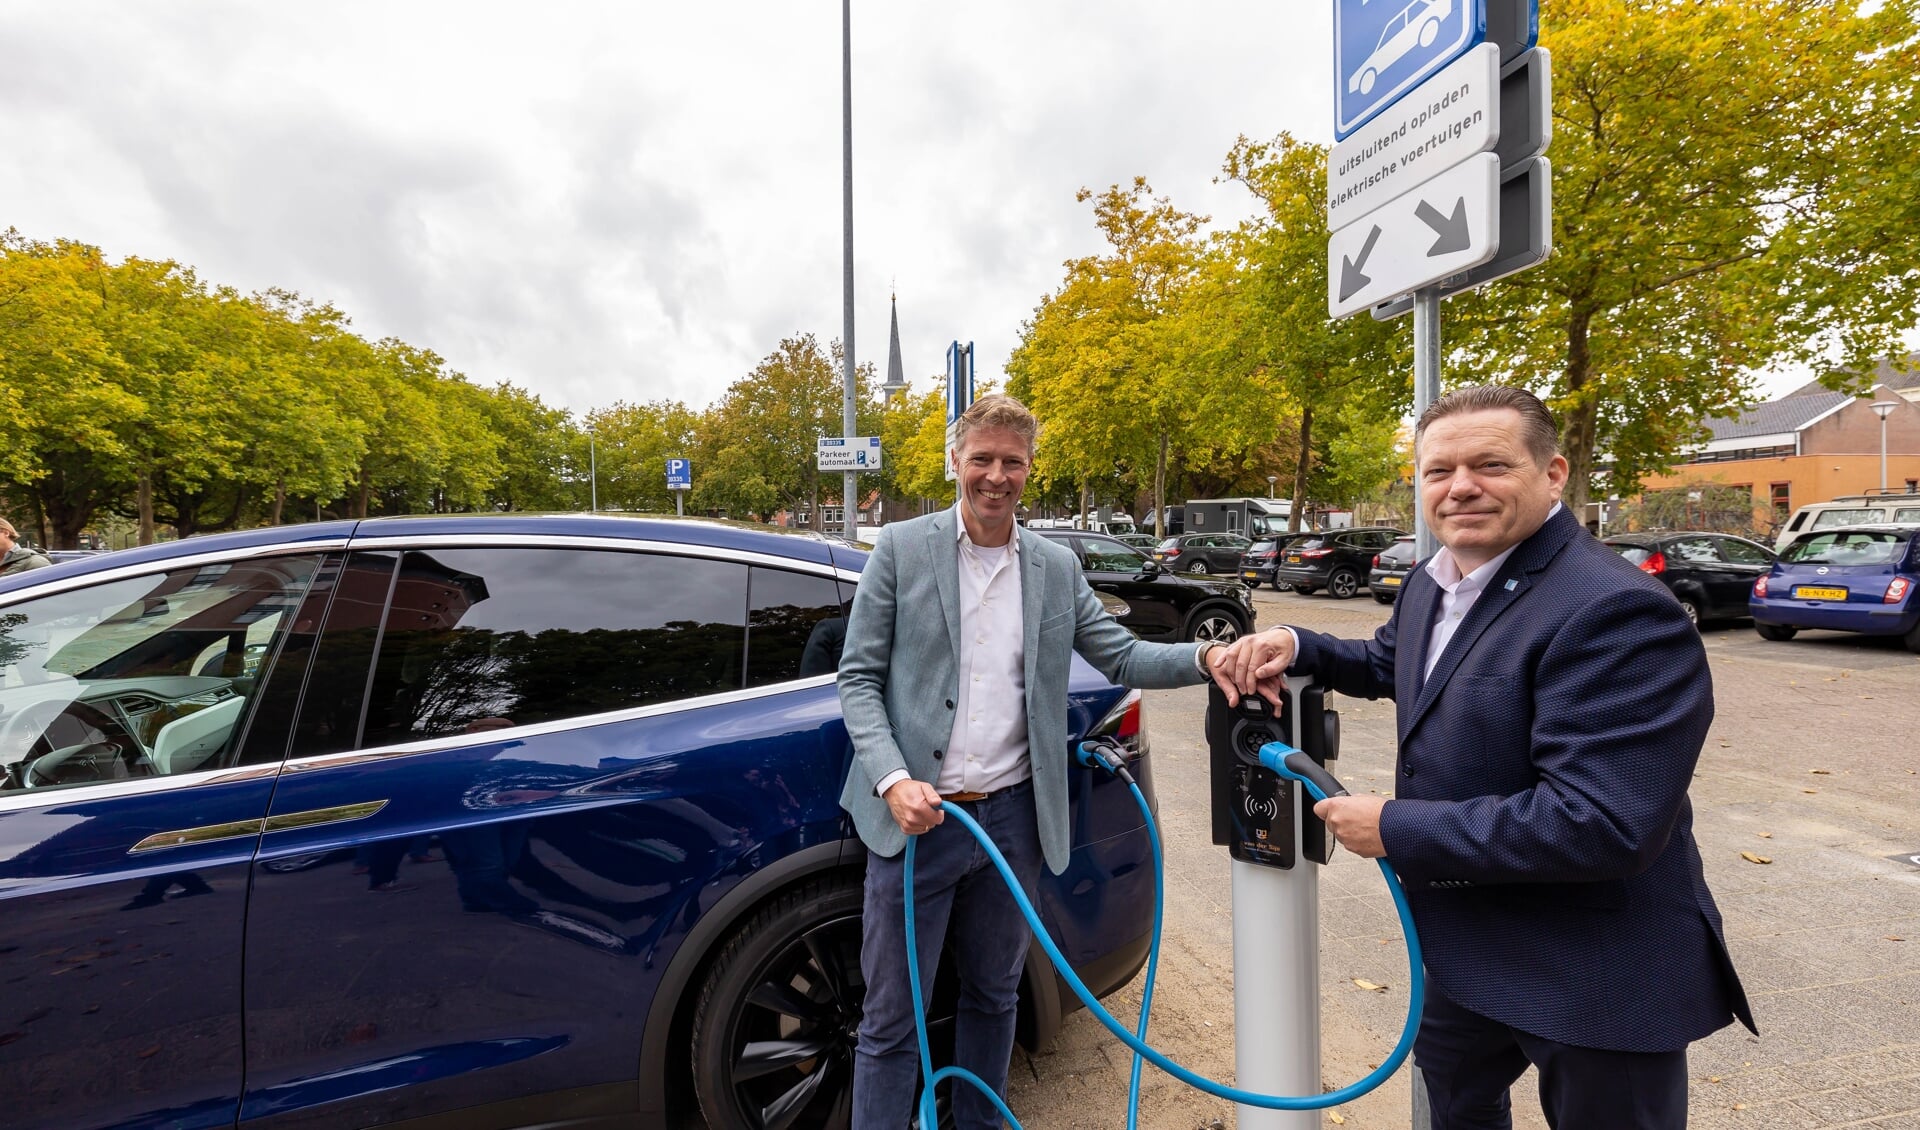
1883, 409
1271, 479
593, 475
849, 502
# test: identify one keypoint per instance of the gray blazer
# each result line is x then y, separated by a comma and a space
899, 676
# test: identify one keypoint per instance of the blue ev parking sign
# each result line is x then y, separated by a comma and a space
1384, 48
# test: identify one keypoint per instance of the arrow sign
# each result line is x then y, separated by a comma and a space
1526, 234
1351, 278
1452, 229
1442, 228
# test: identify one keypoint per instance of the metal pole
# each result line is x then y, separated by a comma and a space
849, 499
1426, 390
1883, 451
679, 501
593, 475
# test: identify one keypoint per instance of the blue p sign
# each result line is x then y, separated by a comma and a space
679, 474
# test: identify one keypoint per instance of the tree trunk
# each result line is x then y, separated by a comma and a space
143, 491
1086, 503
279, 499
1300, 470
1579, 425
1160, 487
365, 493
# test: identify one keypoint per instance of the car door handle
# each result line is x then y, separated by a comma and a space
337, 814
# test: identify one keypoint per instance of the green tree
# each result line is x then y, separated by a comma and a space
913, 438
1733, 189
539, 448
633, 443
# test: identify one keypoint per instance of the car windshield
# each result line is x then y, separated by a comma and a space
1634, 554
1170, 543
1106, 556
1400, 552
1262, 546
1848, 547
1311, 541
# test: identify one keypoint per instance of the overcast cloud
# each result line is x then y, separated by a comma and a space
635, 201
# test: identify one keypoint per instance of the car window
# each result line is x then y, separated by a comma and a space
1741, 553
1171, 543
1848, 547
480, 639
144, 677
1693, 549
1311, 541
1400, 552
1264, 546
1907, 514
1635, 554
1104, 556
1827, 519
794, 626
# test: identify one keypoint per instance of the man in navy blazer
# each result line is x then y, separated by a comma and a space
1552, 703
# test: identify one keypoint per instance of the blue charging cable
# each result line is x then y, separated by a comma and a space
1276, 756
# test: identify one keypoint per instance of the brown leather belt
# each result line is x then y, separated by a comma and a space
964, 798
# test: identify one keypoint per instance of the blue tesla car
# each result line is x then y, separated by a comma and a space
477, 822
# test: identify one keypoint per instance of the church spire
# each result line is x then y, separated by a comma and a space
896, 373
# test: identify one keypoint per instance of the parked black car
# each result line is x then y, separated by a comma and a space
1337, 560
1202, 553
1161, 605
1390, 568
1710, 574
1258, 562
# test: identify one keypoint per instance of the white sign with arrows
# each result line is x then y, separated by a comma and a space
1448, 119
1441, 228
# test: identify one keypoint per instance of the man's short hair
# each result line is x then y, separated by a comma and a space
997, 410
8, 529
1537, 429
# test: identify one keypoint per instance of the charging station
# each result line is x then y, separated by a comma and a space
1273, 839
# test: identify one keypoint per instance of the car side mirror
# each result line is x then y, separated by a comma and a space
1151, 568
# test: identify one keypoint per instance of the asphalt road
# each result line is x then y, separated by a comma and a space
1810, 765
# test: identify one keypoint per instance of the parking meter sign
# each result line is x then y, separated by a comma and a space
679, 474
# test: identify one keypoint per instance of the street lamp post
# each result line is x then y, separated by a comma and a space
1883, 409
593, 475
1271, 479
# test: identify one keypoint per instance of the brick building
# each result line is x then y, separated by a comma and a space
1812, 445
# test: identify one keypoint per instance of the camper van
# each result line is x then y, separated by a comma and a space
1248, 517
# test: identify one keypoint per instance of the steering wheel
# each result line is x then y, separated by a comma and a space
27, 730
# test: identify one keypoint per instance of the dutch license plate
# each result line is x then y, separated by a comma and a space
1809, 592
1293, 559
1250, 575
1389, 580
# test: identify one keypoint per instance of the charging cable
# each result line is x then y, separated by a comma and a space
1276, 756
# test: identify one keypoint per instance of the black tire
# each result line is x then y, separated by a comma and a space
1343, 584
1198, 567
1303, 590
1383, 597
1215, 622
1912, 640
1695, 615
1775, 631
773, 1033
1281, 586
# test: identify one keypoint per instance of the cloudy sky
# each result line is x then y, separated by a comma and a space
636, 200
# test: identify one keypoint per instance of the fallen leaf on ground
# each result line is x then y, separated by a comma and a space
1810, 792
1821, 772
1369, 985
1713, 1078
1766, 835
1895, 938
1739, 1106
1752, 858
1336, 1118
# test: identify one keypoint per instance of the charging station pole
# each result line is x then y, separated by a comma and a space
1272, 838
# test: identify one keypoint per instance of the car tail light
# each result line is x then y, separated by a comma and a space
1171, 552
1897, 591
1760, 586
1376, 561
1124, 725
1315, 552
1656, 564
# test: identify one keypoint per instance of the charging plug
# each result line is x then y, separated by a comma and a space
1106, 755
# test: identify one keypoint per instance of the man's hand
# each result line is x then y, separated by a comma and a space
915, 806
1255, 665
1355, 822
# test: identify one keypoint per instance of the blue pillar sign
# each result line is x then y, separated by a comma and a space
1384, 48
679, 474
959, 392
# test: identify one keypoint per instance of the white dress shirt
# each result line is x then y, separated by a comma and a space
987, 749
1457, 595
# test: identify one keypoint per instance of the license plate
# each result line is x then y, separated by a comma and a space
1809, 592
1389, 581
1293, 559
1250, 575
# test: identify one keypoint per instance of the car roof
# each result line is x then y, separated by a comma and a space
1863, 528
800, 545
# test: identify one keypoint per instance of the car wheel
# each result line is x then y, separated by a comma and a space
1383, 597
1912, 639
1198, 567
1429, 32
773, 1034
1216, 624
1775, 632
1282, 586
1367, 78
1343, 584
1303, 590
1692, 609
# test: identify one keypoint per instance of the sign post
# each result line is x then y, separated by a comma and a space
959, 393
679, 481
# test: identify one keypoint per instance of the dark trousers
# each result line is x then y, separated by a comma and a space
953, 880
1469, 1062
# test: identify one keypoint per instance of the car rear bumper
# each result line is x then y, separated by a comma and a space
1380, 581
1258, 574
1867, 619
1303, 574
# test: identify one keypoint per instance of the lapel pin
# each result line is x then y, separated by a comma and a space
1511, 585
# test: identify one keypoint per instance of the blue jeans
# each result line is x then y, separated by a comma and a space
953, 880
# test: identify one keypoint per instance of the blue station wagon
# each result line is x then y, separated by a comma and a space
477, 822
1847, 579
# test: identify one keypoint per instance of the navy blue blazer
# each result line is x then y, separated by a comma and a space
1540, 820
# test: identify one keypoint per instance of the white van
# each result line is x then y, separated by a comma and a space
1850, 510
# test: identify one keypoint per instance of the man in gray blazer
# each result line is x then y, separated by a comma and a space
954, 687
